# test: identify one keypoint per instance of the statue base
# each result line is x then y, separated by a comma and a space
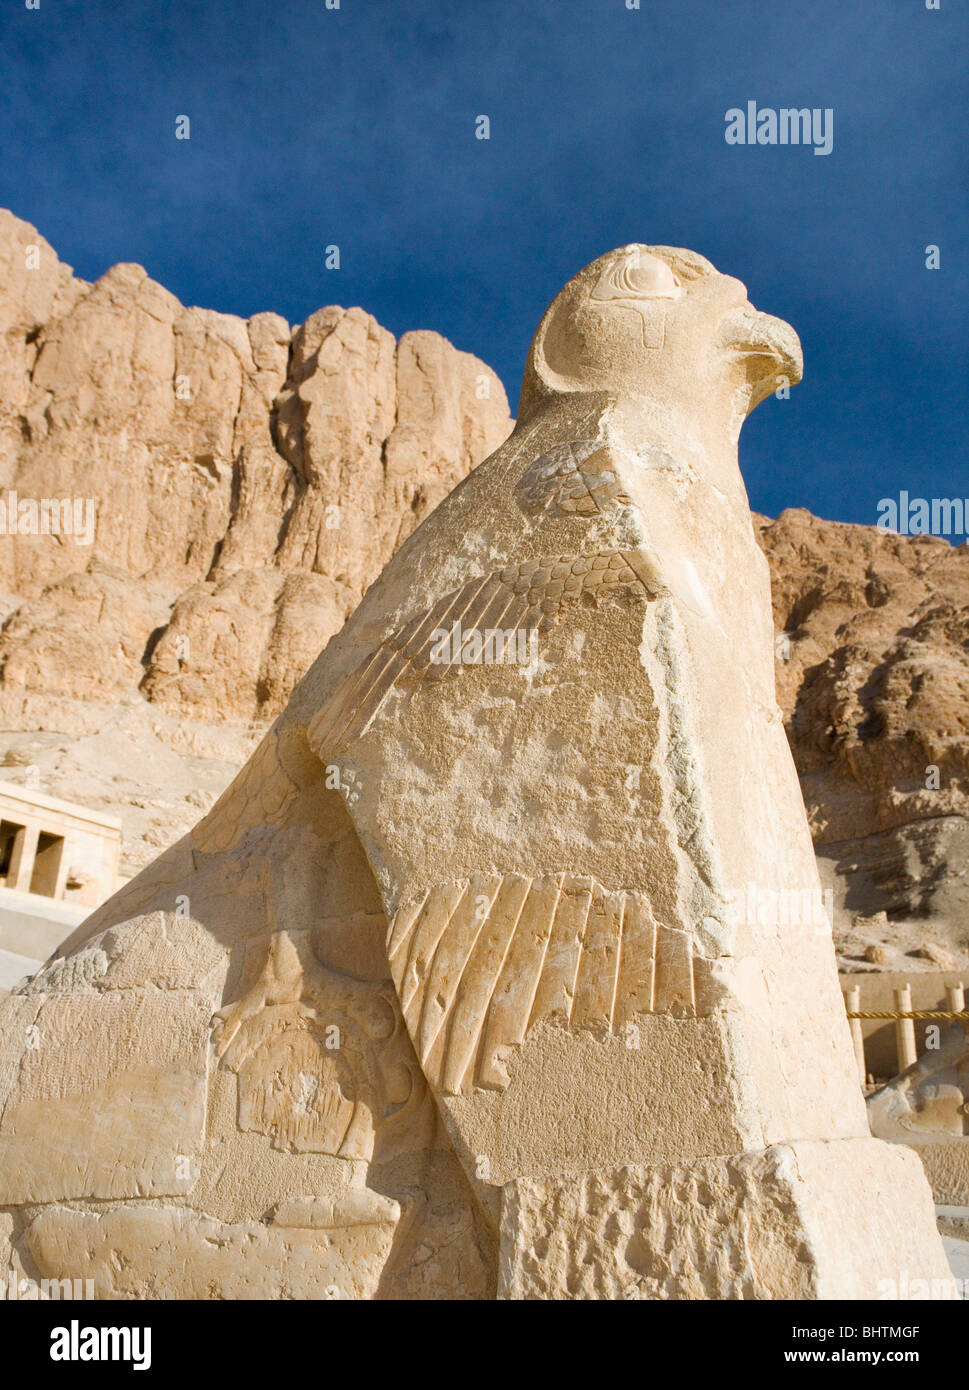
810, 1219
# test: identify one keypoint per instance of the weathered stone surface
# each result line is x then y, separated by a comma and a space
213, 447
312, 1248
109, 1096
756, 1226
19, 1015
312, 1088
937, 955
158, 1252
83, 637
163, 951
6, 1244
946, 1166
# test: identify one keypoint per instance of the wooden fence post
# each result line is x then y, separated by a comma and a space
956, 998
853, 1006
905, 1029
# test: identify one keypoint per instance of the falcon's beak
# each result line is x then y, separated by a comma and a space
768, 348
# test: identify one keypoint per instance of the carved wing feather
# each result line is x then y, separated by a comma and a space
480, 962
534, 594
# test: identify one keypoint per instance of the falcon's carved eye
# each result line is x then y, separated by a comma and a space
639, 276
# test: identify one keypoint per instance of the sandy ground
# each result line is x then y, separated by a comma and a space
158, 774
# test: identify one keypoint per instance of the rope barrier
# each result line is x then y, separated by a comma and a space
904, 1017
924, 1013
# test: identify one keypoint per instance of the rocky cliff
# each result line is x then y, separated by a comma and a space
873, 678
232, 488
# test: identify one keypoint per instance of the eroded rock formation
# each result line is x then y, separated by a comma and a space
245, 484
873, 679
255, 478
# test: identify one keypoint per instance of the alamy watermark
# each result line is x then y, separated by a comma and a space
791, 125
754, 906
923, 516
17, 1289
77, 1343
904, 1288
492, 646
48, 516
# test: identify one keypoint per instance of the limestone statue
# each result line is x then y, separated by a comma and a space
458, 990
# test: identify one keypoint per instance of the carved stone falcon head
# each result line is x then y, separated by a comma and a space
661, 323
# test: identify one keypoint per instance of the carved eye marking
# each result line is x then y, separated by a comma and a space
637, 276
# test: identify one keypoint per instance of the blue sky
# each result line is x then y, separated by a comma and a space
356, 126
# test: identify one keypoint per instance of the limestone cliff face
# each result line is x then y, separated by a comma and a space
873, 679
246, 483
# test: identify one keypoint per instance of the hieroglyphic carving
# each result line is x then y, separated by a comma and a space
307, 1043
479, 962
533, 594
578, 478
